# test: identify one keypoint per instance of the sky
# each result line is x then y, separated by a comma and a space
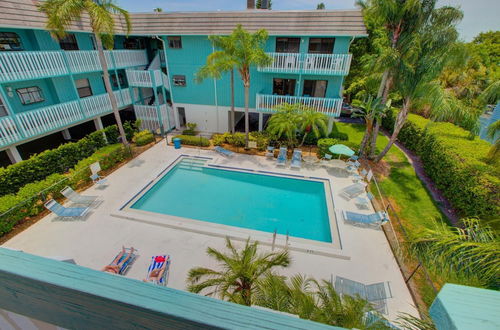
479, 15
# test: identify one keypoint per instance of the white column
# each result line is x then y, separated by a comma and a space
66, 135
98, 123
13, 155
330, 124
261, 121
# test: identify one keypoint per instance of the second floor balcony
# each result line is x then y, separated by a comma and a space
319, 64
147, 78
29, 124
18, 66
329, 106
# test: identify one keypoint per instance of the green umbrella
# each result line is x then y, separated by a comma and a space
341, 149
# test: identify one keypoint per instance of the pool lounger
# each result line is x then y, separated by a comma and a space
376, 293
65, 212
353, 190
76, 198
128, 263
296, 159
270, 152
378, 218
281, 160
223, 152
157, 262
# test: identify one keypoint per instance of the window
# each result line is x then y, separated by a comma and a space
134, 43
315, 88
30, 95
179, 81
83, 87
174, 42
68, 42
10, 41
283, 86
114, 82
321, 45
287, 45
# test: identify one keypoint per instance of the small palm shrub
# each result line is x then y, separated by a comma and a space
143, 137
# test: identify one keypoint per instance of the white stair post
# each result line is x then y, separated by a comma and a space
66, 135
13, 155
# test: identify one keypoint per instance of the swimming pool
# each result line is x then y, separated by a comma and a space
255, 201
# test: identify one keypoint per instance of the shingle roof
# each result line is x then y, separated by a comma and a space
25, 14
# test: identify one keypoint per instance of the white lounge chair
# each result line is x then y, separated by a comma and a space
270, 152
325, 161
65, 212
353, 190
281, 160
76, 198
95, 168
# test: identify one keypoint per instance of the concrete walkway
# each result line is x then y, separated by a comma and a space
95, 241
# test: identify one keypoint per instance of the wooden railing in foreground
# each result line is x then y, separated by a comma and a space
76, 297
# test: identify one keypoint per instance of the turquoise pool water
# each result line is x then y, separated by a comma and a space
246, 200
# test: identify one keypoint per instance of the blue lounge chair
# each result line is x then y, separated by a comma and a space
359, 177
126, 264
270, 152
76, 197
281, 160
377, 218
157, 262
65, 212
353, 190
296, 159
376, 293
223, 152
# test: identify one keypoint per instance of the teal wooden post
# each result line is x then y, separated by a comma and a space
68, 67
157, 104
116, 75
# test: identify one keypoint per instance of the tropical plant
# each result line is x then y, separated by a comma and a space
320, 6
62, 13
238, 274
247, 50
284, 123
493, 132
468, 254
219, 62
258, 4
158, 10
410, 322
311, 121
372, 111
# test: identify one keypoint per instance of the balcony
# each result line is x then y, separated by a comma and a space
147, 78
328, 106
38, 122
148, 115
318, 64
16, 66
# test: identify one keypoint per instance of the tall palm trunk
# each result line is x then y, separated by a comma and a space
232, 101
109, 90
247, 122
383, 93
400, 121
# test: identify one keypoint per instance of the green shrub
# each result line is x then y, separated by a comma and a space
192, 126
218, 139
112, 134
58, 160
143, 137
193, 140
456, 164
189, 132
262, 139
237, 139
338, 136
324, 145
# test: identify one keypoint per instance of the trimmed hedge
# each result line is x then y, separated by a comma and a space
58, 160
29, 199
324, 145
193, 140
455, 163
143, 137
238, 139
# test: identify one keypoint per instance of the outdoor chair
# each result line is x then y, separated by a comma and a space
124, 267
353, 190
378, 218
95, 168
76, 198
157, 262
359, 177
65, 212
281, 160
270, 152
363, 202
376, 293
223, 152
296, 159
325, 161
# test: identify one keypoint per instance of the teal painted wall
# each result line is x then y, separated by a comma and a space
64, 89
95, 80
45, 85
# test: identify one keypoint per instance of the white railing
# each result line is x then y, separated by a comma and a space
325, 64
149, 117
31, 65
47, 119
145, 78
16, 66
328, 106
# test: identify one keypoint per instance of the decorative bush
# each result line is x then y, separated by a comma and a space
338, 136
112, 134
189, 132
143, 137
237, 139
324, 145
218, 139
193, 140
58, 160
456, 164
262, 139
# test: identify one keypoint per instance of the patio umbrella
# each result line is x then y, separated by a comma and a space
341, 149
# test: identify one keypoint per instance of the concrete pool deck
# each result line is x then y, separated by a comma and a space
95, 241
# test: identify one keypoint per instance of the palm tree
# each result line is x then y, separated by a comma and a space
219, 62
320, 6
371, 110
284, 123
467, 255
158, 10
61, 14
493, 131
240, 271
314, 122
247, 51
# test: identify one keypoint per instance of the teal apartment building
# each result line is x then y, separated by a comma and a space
49, 87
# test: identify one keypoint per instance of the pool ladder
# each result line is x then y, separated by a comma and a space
274, 238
